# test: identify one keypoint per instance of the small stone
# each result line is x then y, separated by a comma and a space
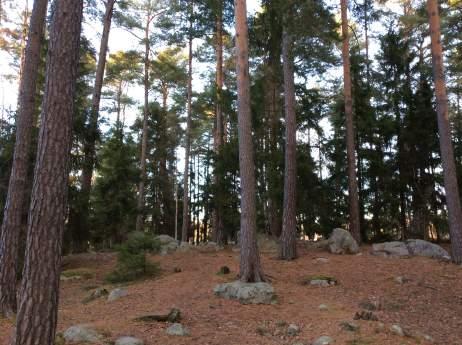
293, 330
366, 315
129, 341
322, 260
323, 307
173, 316
224, 270
178, 329
324, 340
177, 270
401, 280
81, 334
246, 293
396, 329
100, 292
349, 326
116, 294
322, 281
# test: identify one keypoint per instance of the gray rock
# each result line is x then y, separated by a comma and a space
401, 280
322, 260
246, 293
323, 307
173, 316
396, 329
165, 239
349, 326
116, 294
395, 248
293, 330
410, 248
428, 249
322, 281
324, 340
341, 242
128, 341
208, 247
81, 334
178, 329
99, 292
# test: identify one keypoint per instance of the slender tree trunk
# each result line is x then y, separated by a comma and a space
25, 27
80, 239
250, 268
218, 139
15, 202
186, 221
350, 137
144, 134
447, 153
39, 294
288, 243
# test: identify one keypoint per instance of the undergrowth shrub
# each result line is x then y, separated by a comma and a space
131, 258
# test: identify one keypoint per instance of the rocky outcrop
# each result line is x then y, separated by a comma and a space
246, 293
341, 242
410, 248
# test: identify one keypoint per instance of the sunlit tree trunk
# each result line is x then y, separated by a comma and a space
288, 242
250, 268
218, 144
186, 220
350, 136
39, 293
144, 133
80, 238
15, 202
447, 153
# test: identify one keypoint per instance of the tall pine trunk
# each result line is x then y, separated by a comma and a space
186, 221
81, 234
39, 293
144, 133
15, 202
288, 242
350, 136
218, 144
447, 153
250, 268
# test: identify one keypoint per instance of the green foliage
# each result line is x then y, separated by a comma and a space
132, 263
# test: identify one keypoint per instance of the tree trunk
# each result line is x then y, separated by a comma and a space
185, 225
39, 293
15, 202
218, 230
447, 153
350, 137
80, 240
250, 268
144, 134
288, 243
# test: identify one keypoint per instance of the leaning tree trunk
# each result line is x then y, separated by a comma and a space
12, 220
144, 134
185, 225
39, 293
447, 153
250, 268
80, 239
218, 176
350, 137
288, 242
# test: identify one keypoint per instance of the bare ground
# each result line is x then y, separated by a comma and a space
429, 303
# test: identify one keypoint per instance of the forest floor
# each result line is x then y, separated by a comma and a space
428, 302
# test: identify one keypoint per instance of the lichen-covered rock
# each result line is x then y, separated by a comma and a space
293, 330
413, 247
116, 294
428, 249
81, 334
128, 341
341, 242
178, 329
324, 340
246, 293
98, 293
